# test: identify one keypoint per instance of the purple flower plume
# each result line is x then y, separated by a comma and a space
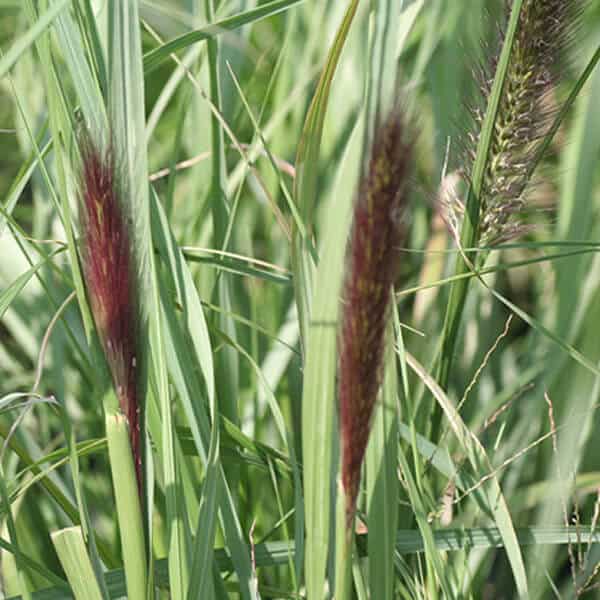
109, 272
372, 266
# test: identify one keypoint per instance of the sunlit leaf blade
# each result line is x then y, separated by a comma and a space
71, 549
307, 169
319, 394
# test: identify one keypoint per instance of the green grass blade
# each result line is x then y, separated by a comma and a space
426, 532
179, 551
62, 135
72, 552
61, 129
538, 326
12, 291
572, 316
128, 127
31, 35
126, 100
565, 108
22, 579
235, 443
19, 185
184, 378
179, 278
382, 483
226, 363
272, 160
307, 170
129, 511
51, 488
319, 395
61, 587
200, 586
88, 88
492, 500
344, 545
87, 528
497, 268
407, 542
155, 57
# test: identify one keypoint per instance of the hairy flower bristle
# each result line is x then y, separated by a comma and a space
377, 233
544, 32
110, 278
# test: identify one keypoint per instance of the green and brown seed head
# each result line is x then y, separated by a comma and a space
372, 267
545, 31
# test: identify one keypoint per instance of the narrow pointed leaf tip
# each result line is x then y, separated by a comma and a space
109, 271
372, 266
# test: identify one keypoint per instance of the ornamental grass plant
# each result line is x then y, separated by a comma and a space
284, 314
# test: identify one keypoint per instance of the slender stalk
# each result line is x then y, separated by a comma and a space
129, 509
344, 542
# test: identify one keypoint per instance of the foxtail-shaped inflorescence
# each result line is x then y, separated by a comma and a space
546, 28
372, 267
110, 277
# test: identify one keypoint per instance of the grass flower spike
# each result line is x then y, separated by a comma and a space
372, 268
545, 31
110, 279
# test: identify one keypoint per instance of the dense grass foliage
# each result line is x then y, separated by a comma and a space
299, 299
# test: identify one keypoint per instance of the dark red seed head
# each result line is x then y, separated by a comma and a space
109, 272
372, 266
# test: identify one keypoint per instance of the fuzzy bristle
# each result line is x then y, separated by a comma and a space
378, 232
545, 31
110, 278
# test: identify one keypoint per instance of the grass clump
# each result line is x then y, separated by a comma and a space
302, 350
